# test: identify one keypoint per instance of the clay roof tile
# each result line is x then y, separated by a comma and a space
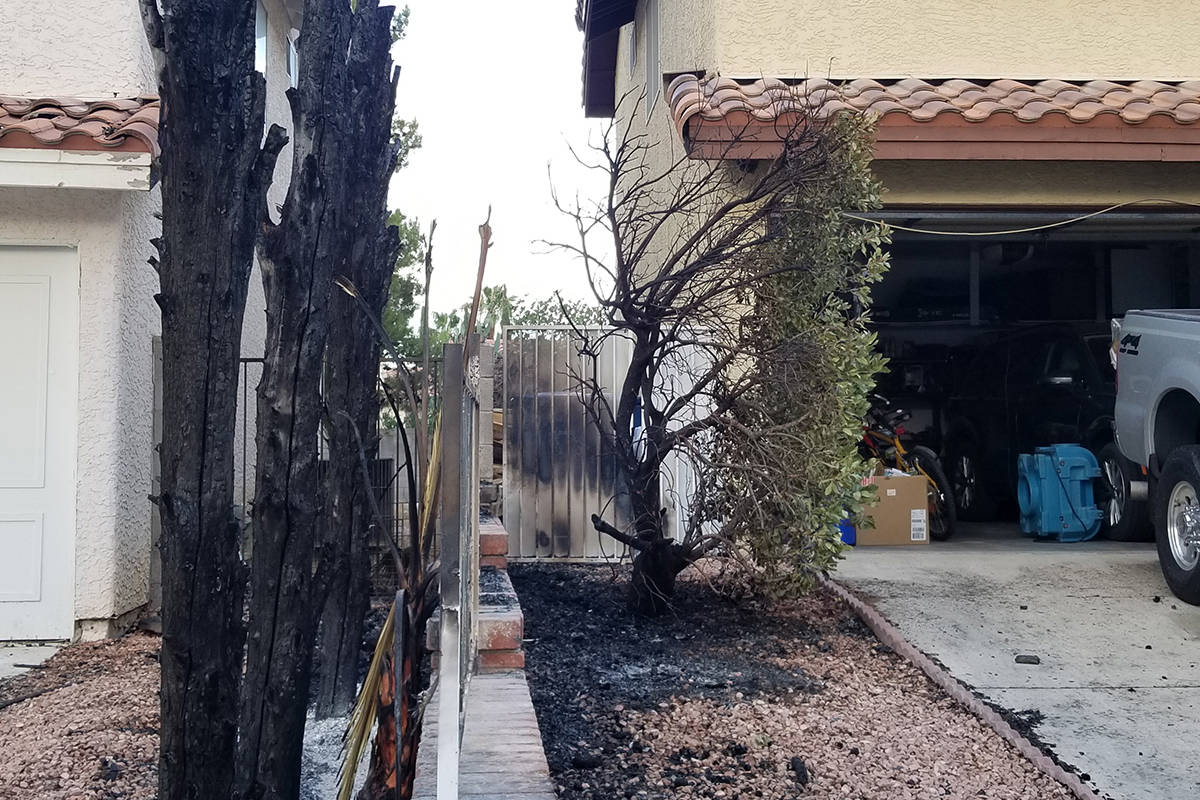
766, 99
129, 123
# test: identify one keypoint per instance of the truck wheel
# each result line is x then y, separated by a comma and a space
971, 498
1177, 522
1125, 519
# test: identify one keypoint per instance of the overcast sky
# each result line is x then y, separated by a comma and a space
495, 89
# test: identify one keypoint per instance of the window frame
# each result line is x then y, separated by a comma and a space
653, 65
293, 60
261, 28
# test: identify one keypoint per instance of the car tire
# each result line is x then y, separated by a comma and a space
1176, 536
972, 501
1125, 519
948, 518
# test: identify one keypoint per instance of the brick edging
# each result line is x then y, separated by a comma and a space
891, 636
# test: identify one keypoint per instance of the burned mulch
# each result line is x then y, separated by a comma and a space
742, 700
85, 725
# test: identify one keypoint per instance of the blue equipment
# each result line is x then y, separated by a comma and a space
849, 534
1054, 487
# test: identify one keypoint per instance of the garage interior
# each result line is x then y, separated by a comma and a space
944, 291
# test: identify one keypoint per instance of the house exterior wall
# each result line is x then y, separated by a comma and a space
1064, 184
73, 48
81, 48
111, 231
1023, 39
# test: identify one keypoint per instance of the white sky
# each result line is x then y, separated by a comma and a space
495, 89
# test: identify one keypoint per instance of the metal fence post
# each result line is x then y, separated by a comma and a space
450, 576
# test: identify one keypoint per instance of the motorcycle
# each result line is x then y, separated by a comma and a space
882, 440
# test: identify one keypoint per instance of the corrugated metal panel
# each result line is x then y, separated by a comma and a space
557, 472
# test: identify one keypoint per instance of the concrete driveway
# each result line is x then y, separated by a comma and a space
1118, 683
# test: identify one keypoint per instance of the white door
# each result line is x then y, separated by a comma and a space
39, 310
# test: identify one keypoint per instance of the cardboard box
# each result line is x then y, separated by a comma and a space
900, 512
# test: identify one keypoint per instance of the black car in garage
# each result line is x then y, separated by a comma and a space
1021, 389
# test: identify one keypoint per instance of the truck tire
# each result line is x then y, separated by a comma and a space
971, 498
1177, 534
1125, 519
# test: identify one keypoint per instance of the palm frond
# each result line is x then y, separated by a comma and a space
362, 719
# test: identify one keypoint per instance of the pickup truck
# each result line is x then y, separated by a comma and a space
1157, 424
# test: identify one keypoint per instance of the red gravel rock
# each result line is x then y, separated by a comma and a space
92, 732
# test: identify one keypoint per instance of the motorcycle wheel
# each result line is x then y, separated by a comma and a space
942, 517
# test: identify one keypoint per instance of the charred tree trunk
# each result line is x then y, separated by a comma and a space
657, 560
214, 177
351, 399
367, 259
296, 259
393, 770
341, 111
652, 584
346, 526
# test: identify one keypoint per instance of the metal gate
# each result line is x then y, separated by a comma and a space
458, 553
557, 469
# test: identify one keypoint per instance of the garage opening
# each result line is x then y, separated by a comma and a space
998, 343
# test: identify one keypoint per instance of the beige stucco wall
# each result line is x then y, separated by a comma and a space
1035, 183
1069, 39
1115, 39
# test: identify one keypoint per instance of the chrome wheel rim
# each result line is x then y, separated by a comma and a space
964, 482
1183, 526
1115, 510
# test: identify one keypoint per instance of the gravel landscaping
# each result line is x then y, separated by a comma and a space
725, 700
84, 725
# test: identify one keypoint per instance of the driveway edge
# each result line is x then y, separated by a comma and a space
891, 636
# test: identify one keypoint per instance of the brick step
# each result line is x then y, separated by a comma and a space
493, 544
501, 623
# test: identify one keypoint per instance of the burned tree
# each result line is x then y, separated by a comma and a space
352, 405
333, 219
214, 173
694, 243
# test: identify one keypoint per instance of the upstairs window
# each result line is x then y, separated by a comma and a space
633, 46
653, 69
293, 61
260, 38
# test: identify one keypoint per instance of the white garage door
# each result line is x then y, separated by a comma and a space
39, 299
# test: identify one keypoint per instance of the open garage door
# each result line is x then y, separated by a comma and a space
39, 291
998, 344
945, 292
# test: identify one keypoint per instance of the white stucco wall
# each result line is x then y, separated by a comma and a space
89, 49
73, 48
117, 320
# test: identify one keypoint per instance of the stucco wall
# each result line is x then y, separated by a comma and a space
77, 48
686, 30
688, 33
1035, 183
84, 48
1066, 39
117, 319
936, 38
